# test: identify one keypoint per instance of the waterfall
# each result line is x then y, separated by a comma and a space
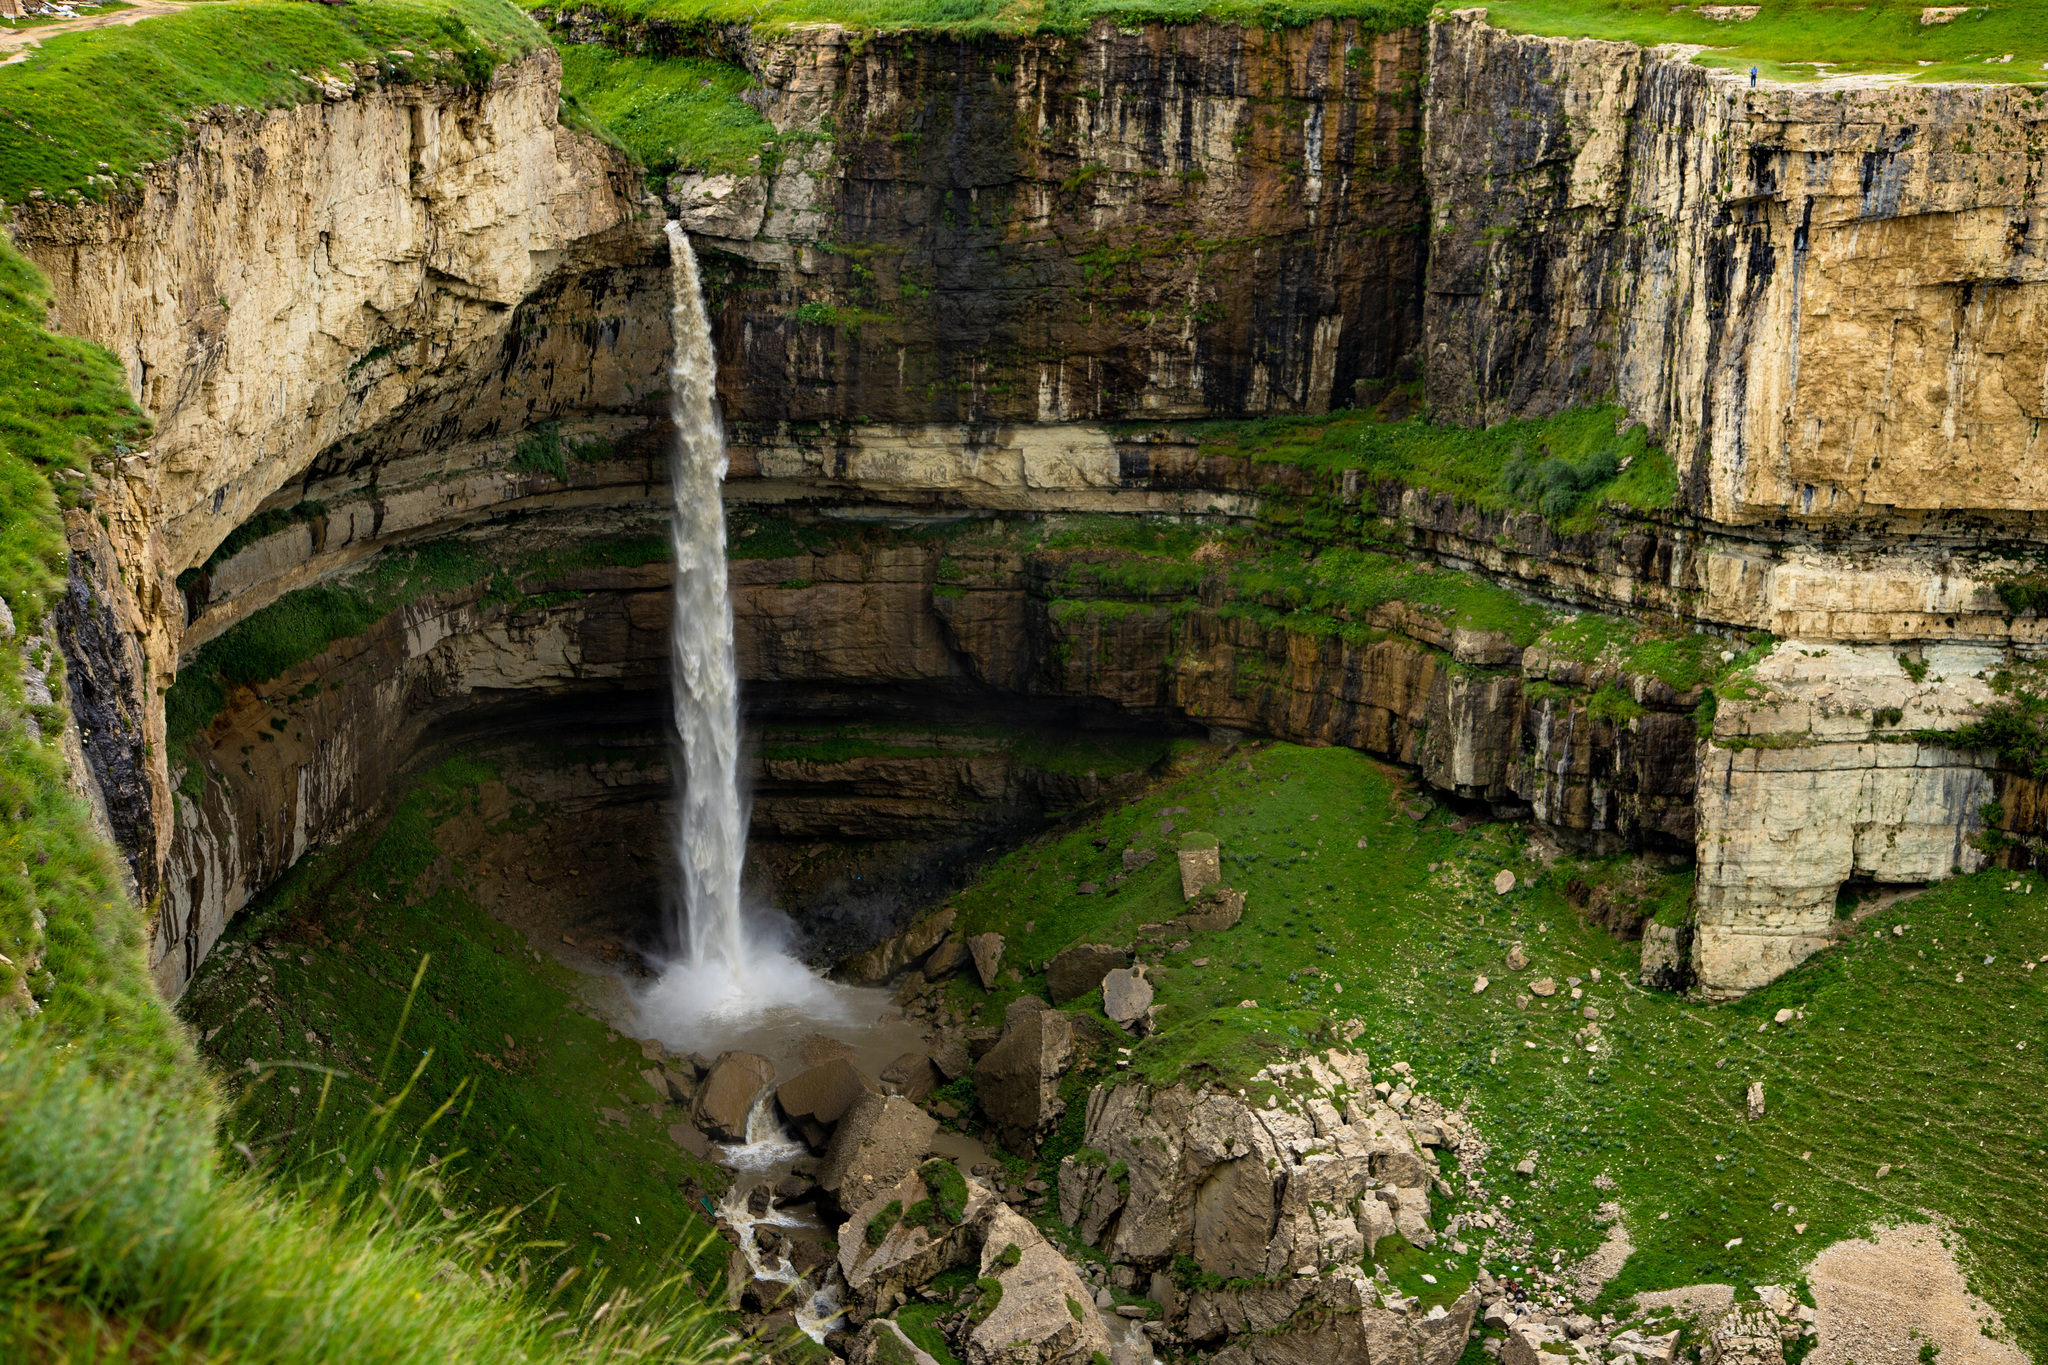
735, 969
711, 826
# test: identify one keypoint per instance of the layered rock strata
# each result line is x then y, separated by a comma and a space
1177, 220
1828, 301
405, 311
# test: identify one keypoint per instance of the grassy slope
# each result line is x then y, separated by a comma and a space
1008, 16
1788, 36
1895, 1062
57, 124
673, 114
121, 1235
331, 951
63, 409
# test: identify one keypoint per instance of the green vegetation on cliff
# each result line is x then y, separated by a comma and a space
1006, 17
303, 623
1801, 40
672, 114
1568, 467
58, 124
1370, 909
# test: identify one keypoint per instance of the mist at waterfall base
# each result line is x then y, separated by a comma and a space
734, 979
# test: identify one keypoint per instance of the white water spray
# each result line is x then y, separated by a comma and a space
736, 968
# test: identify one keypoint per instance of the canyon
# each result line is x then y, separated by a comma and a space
996, 282
1218, 516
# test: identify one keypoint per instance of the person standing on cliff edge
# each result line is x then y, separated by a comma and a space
1752, 78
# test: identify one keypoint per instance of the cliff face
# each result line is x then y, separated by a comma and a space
1182, 220
288, 281
1829, 301
410, 313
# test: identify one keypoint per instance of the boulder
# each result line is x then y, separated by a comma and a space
1747, 1334
980, 1041
814, 1100
1044, 1314
1308, 1321
952, 1059
1076, 972
1667, 957
905, 950
669, 1084
913, 1076
1234, 1213
882, 1256
1126, 995
988, 956
1442, 1340
1018, 1081
878, 1140
728, 1093
1216, 909
949, 957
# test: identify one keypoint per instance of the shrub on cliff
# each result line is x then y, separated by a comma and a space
1553, 484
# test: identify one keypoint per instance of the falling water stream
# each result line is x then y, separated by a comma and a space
734, 984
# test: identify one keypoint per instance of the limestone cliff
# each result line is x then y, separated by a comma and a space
287, 281
412, 314
1179, 220
1829, 300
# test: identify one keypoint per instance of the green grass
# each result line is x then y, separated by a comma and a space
122, 1238
65, 924
1473, 465
673, 114
57, 123
1011, 16
503, 1038
1862, 1080
1333, 593
1788, 36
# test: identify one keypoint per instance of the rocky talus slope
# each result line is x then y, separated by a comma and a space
976, 278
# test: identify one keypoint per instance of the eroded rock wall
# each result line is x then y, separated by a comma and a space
1186, 219
1829, 301
286, 282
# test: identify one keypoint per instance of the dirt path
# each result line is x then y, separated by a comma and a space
18, 43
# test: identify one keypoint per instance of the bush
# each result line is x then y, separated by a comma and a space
948, 1188
1555, 485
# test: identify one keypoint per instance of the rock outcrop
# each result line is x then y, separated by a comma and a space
1246, 1192
1753, 271
726, 1098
